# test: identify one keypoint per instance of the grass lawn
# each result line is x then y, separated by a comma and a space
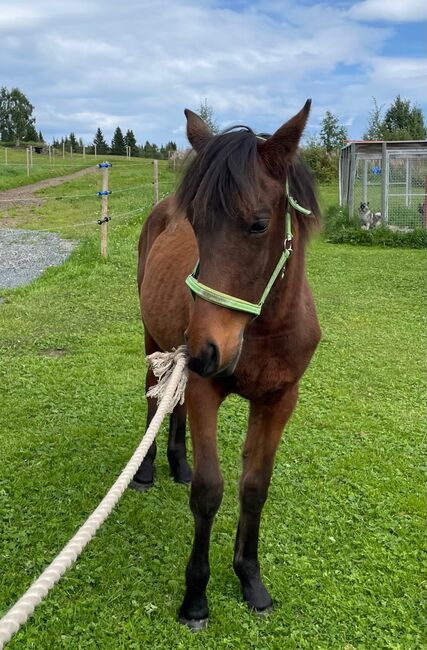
342, 532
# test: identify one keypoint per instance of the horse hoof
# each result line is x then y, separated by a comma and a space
261, 613
195, 625
182, 481
140, 487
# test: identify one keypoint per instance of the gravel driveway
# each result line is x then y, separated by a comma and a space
24, 254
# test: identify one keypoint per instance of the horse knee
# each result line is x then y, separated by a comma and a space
253, 493
206, 496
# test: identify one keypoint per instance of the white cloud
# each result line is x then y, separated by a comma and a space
139, 63
390, 10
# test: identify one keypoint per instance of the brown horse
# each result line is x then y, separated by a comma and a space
229, 212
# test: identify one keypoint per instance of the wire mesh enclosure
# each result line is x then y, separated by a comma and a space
385, 183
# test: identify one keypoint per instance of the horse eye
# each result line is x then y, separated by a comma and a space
259, 226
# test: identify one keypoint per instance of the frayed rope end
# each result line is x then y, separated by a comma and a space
162, 365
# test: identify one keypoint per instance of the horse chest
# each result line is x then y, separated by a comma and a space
261, 371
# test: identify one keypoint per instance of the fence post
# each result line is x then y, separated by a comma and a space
53, 155
365, 181
31, 156
384, 183
408, 184
352, 178
425, 203
71, 152
155, 181
94, 149
28, 161
104, 207
84, 152
49, 149
63, 150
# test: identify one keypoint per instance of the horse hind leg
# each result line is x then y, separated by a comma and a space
177, 453
144, 476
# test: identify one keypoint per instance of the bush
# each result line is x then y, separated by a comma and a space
323, 164
340, 229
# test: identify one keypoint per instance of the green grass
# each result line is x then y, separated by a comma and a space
342, 532
14, 174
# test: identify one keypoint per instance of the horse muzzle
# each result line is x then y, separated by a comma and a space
208, 362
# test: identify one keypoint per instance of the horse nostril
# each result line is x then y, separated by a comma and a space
207, 363
211, 354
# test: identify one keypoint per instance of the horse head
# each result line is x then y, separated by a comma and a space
233, 194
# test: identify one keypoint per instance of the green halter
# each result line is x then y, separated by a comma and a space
230, 302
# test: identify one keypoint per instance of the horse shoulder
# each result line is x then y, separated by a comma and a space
165, 300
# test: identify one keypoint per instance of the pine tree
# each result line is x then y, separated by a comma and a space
206, 113
72, 141
332, 134
118, 147
31, 134
130, 141
41, 138
100, 143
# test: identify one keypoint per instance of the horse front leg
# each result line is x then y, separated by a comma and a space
205, 497
266, 423
177, 453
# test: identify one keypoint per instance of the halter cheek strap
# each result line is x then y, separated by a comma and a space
230, 302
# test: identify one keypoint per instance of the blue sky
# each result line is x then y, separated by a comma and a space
139, 63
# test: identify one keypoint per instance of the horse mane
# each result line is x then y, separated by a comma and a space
223, 181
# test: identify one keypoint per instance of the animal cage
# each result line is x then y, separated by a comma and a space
389, 176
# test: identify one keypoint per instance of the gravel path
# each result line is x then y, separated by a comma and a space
25, 254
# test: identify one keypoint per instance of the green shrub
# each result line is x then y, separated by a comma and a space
340, 229
323, 164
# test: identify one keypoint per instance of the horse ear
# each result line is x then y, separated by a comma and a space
279, 149
198, 132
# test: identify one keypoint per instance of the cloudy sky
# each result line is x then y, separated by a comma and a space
139, 63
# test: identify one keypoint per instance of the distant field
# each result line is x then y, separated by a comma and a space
14, 173
343, 530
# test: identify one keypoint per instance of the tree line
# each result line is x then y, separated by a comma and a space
18, 125
118, 145
400, 121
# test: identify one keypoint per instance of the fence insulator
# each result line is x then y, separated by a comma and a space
104, 193
104, 220
105, 164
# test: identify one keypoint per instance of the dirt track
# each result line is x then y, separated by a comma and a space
24, 196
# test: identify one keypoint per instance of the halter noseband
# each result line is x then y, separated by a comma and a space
230, 302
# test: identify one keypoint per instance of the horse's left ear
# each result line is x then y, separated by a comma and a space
198, 132
279, 149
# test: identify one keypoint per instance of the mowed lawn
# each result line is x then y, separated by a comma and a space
342, 532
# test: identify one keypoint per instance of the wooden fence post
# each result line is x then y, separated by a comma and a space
71, 152
84, 152
155, 181
63, 149
425, 203
50, 153
28, 161
31, 156
104, 207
